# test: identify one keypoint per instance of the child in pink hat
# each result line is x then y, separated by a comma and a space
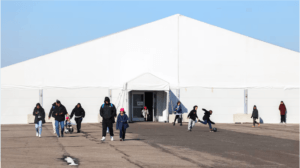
122, 124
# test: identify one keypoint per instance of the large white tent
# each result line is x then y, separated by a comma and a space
173, 58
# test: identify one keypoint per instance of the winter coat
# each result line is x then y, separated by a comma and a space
282, 109
52, 110
207, 116
61, 111
122, 122
39, 114
254, 113
178, 109
193, 114
108, 111
79, 112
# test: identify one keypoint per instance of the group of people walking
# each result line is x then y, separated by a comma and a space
58, 114
60, 118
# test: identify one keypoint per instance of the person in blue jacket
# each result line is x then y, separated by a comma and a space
178, 111
122, 124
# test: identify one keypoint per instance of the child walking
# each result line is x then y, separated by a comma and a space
192, 115
206, 119
122, 124
255, 116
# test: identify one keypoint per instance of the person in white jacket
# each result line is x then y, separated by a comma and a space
145, 113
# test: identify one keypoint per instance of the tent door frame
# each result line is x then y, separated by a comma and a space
132, 106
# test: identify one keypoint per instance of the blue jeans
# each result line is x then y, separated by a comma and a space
205, 122
62, 125
38, 127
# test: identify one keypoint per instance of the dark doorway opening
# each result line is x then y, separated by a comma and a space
149, 104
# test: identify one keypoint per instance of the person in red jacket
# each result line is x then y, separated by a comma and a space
282, 110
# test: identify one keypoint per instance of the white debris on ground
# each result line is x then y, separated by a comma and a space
70, 161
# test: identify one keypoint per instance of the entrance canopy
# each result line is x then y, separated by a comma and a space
146, 82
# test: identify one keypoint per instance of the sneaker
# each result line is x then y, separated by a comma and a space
58, 136
111, 138
121, 139
37, 134
40, 136
62, 134
173, 124
103, 139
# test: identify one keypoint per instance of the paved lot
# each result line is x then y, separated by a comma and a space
154, 145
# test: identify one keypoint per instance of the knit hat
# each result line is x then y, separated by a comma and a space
122, 109
67, 118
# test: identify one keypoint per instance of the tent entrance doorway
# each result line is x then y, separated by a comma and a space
138, 101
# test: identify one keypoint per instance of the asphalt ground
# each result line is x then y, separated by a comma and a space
154, 145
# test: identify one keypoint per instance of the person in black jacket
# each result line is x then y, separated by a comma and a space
59, 115
39, 119
108, 113
192, 115
79, 115
52, 118
255, 116
206, 119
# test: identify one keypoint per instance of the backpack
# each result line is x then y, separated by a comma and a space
111, 105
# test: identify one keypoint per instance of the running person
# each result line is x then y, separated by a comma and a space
255, 116
206, 119
39, 119
178, 111
192, 115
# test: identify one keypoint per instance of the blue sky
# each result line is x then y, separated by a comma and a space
33, 28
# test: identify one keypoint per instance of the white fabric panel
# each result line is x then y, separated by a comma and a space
268, 101
148, 81
223, 102
90, 98
109, 61
16, 104
210, 56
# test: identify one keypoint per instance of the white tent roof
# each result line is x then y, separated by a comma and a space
147, 81
183, 51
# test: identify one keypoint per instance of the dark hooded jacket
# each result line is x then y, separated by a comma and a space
254, 113
59, 113
193, 114
108, 111
39, 114
79, 112
207, 116
52, 110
